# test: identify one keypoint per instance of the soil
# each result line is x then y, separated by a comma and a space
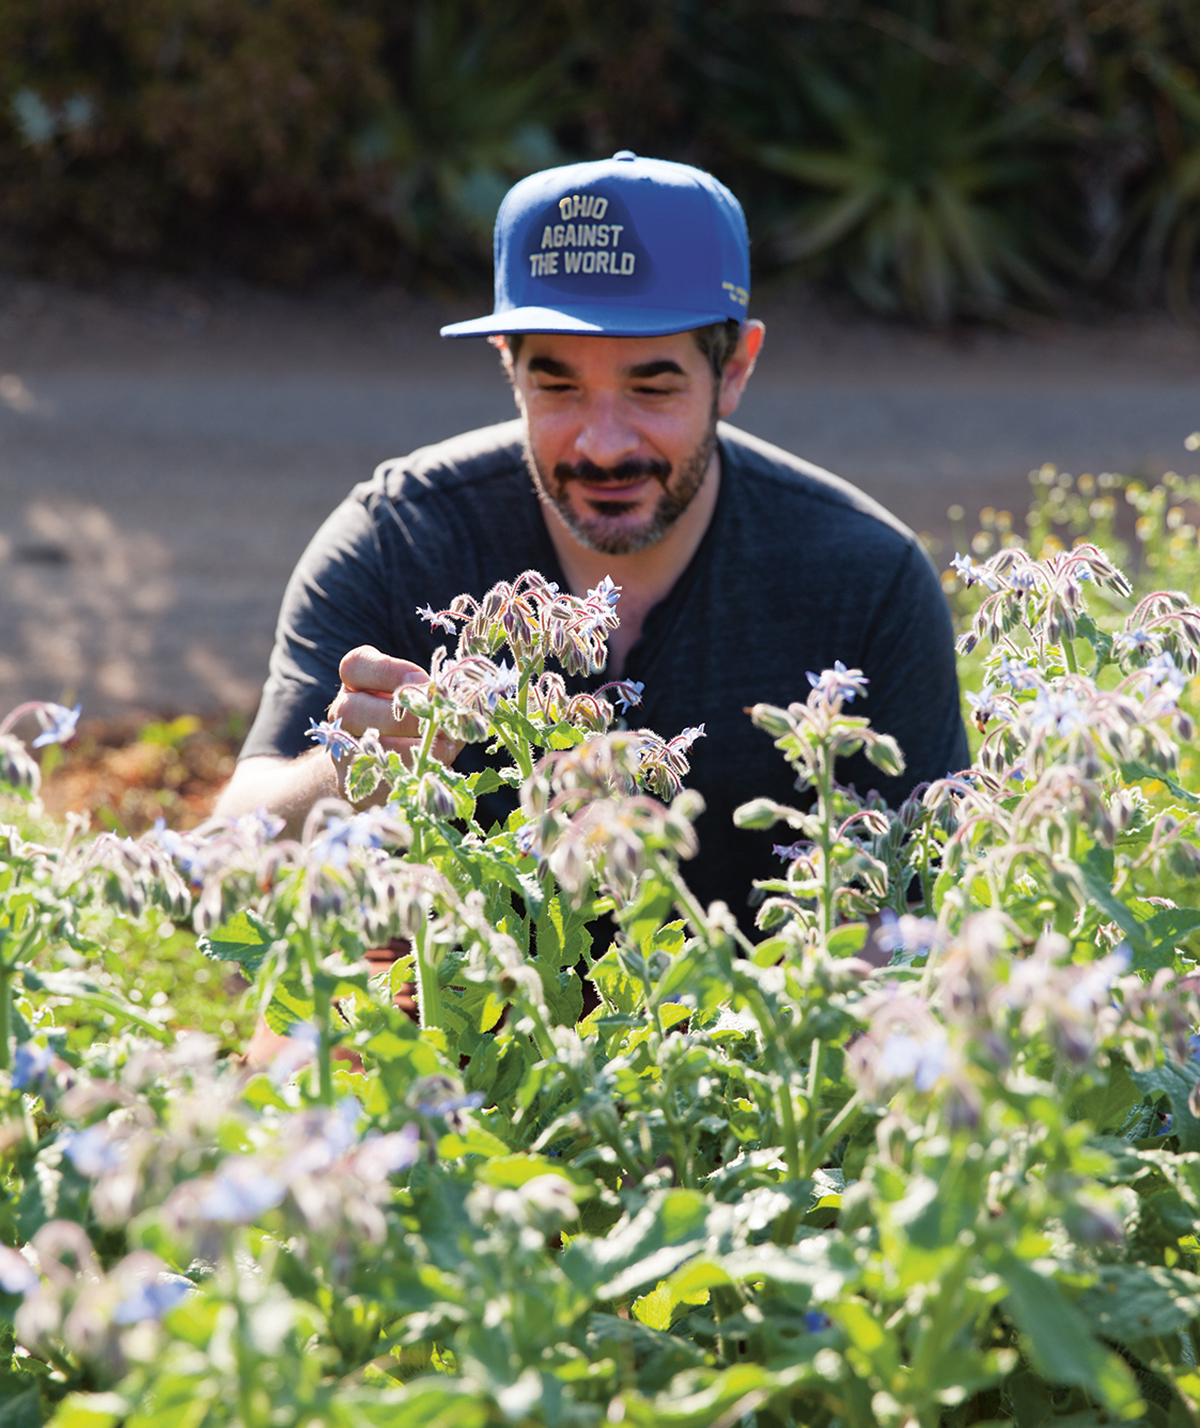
167, 449
126, 774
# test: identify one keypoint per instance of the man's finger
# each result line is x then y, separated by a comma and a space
367, 668
360, 712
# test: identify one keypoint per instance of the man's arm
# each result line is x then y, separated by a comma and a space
286, 787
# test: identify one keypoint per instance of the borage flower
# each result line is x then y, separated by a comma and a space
838, 683
970, 573
58, 724
332, 736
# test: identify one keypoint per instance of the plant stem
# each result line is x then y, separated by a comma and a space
834, 1132
813, 1094
429, 991
6, 973
825, 816
323, 1016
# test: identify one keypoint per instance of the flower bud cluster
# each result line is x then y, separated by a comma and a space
1045, 596
313, 1165
70, 1302
587, 820
19, 773
535, 619
814, 734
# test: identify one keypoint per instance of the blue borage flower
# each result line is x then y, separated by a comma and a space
30, 1064
1130, 640
908, 933
838, 683
1162, 670
437, 619
94, 1151
970, 573
153, 1298
987, 704
331, 735
905, 1058
1017, 673
17, 1275
627, 692
1058, 712
58, 724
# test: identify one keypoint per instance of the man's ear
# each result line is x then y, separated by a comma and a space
509, 366
740, 365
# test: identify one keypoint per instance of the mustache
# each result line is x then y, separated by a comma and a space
624, 473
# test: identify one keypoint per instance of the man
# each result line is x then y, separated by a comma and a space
620, 317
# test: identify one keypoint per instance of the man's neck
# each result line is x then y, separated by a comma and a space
645, 577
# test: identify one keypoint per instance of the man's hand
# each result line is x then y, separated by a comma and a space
290, 787
365, 702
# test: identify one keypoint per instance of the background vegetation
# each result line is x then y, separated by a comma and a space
941, 159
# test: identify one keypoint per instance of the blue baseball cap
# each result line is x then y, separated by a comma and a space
624, 247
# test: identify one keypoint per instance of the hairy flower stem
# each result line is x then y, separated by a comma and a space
825, 818
834, 1131
6, 975
924, 872
323, 1016
1069, 656
429, 991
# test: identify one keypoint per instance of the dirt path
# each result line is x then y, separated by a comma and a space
166, 453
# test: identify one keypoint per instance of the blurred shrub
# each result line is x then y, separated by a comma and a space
939, 157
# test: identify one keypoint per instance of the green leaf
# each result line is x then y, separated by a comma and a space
1136, 769
80, 988
288, 1005
475, 1142
244, 939
1057, 1338
1096, 868
1107, 1105
668, 1230
86, 1410
485, 781
363, 778
1175, 1082
1167, 929
1131, 1302
24, 1410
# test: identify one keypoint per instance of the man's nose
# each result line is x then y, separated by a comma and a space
605, 437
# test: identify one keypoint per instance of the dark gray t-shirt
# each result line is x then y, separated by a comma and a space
797, 569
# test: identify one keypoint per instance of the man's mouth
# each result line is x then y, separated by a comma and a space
625, 480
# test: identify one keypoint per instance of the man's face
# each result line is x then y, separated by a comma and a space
620, 432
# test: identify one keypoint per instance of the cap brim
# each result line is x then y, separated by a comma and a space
593, 321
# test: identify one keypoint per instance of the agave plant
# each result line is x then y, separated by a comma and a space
919, 184
1172, 232
469, 117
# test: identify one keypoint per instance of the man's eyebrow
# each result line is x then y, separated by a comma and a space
551, 367
656, 369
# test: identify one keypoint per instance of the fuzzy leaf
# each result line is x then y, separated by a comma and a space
1058, 1340
1141, 1301
244, 939
1175, 1082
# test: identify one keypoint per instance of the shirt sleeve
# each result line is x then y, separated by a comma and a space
336, 599
913, 695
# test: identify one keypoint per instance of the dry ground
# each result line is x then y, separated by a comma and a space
166, 451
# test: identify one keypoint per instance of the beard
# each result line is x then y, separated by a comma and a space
606, 528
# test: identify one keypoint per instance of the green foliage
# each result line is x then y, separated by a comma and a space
941, 159
767, 1181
